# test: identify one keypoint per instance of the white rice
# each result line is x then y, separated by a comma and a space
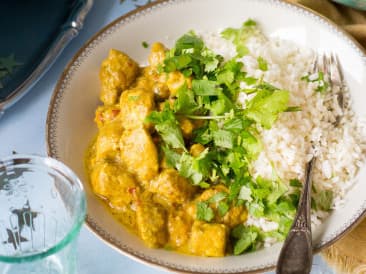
287, 145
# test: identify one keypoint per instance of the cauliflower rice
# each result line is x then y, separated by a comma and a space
287, 146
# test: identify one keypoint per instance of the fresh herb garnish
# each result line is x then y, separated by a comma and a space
318, 78
167, 126
204, 212
229, 133
145, 44
239, 36
262, 63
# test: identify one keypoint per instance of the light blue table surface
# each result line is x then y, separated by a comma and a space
22, 129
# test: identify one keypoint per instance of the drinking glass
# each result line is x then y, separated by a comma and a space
42, 208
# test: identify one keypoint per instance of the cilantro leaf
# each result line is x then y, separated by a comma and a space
251, 144
205, 87
177, 63
322, 84
187, 169
223, 208
172, 158
265, 107
223, 138
240, 36
202, 135
185, 103
245, 194
204, 212
292, 109
295, 183
246, 238
262, 63
220, 106
167, 126
189, 41
197, 169
278, 189
191, 57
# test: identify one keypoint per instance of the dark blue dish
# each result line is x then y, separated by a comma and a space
32, 34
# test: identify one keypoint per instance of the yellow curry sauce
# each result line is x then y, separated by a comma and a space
127, 169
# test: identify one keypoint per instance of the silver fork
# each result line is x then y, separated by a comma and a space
332, 68
297, 252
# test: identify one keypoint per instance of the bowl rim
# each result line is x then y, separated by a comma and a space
94, 227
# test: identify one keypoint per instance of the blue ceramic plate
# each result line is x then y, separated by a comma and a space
32, 35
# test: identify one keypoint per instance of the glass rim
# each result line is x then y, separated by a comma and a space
60, 168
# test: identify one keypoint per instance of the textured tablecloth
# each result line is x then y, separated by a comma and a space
348, 255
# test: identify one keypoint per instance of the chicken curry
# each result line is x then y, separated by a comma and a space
128, 171
174, 149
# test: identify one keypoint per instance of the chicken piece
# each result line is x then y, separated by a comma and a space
106, 114
139, 154
117, 73
119, 189
157, 54
187, 127
208, 239
196, 149
171, 187
179, 228
142, 81
151, 223
236, 215
135, 105
175, 81
112, 182
107, 142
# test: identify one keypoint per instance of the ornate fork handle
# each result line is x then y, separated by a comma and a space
297, 253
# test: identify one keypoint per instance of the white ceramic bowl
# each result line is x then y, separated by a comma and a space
70, 125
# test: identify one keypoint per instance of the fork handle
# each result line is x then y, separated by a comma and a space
296, 255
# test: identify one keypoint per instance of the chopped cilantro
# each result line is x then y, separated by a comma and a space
240, 36
293, 109
205, 88
167, 126
191, 57
262, 64
229, 134
246, 238
145, 44
295, 183
223, 138
223, 208
204, 212
318, 78
245, 194
265, 107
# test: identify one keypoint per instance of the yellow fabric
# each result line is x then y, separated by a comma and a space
347, 255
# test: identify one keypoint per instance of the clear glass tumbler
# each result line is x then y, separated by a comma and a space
42, 208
